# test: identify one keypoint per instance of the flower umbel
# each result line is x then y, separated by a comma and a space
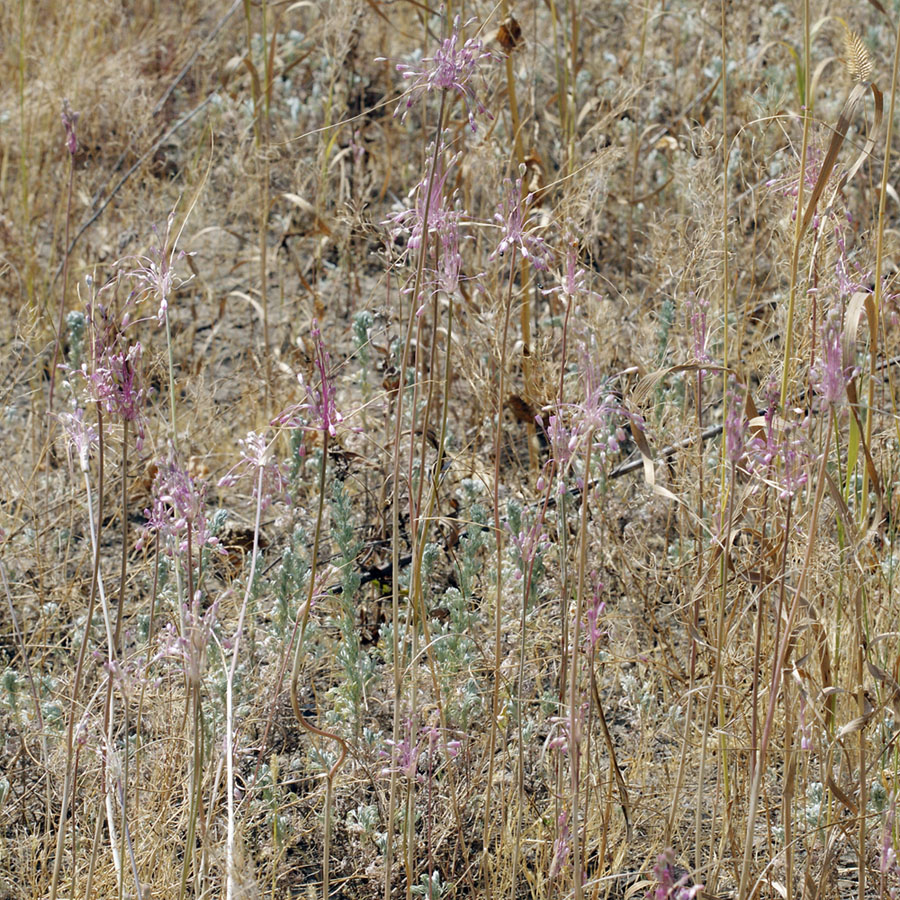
155, 272
668, 887
831, 376
256, 455
451, 69
70, 120
321, 412
178, 512
81, 435
734, 423
513, 215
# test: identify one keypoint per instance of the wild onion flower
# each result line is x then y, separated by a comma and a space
561, 846
600, 412
411, 220
319, 411
572, 282
600, 415
155, 273
697, 309
592, 630
407, 760
452, 69
668, 887
70, 120
81, 435
780, 445
734, 423
426, 750
116, 384
569, 731
516, 228
888, 863
190, 647
177, 515
830, 377
257, 454
789, 185
442, 227
562, 441
528, 543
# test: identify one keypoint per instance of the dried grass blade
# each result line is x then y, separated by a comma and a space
837, 139
882, 10
647, 458
613, 762
869, 146
859, 301
648, 383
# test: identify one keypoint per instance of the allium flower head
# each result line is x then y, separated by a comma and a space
601, 413
830, 376
573, 280
778, 455
434, 213
562, 441
697, 311
561, 846
592, 629
115, 383
70, 120
789, 185
257, 455
81, 435
734, 423
190, 647
451, 69
177, 515
319, 411
155, 272
441, 218
513, 218
668, 887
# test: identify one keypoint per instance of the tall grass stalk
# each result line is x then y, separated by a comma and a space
574, 737
878, 288
229, 693
783, 647
395, 502
498, 588
95, 591
788, 361
302, 720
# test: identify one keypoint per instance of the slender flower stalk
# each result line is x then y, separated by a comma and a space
69, 121
317, 413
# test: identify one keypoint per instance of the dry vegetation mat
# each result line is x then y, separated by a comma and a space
449, 451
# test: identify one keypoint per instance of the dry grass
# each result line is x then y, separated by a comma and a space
365, 686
